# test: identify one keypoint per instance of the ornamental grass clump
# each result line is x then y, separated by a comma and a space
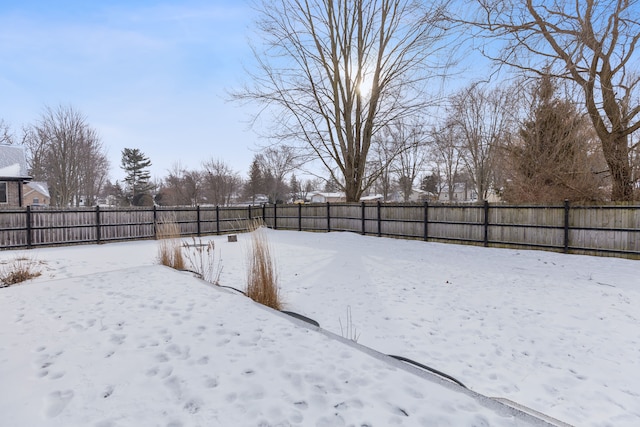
17, 270
262, 280
169, 244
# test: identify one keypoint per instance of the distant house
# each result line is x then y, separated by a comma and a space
35, 193
13, 173
461, 193
324, 197
417, 195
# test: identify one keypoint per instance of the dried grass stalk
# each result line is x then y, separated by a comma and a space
18, 270
202, 260
169, 244
262, 280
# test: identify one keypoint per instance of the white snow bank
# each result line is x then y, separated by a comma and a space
152, 346
558, 333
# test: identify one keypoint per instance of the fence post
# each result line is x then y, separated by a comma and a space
364, 230
566, 226
217, 219
486, 223
98, 229
28, 220
328, 218
249, 213
426, 220
299, 216
275, 216
199, 230
155, 222
379, 218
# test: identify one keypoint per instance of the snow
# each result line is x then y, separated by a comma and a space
106, 337
11, 171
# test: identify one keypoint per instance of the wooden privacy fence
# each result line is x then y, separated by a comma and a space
27, 228
612, 230
596, 230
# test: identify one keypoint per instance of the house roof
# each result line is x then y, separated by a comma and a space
40, 187
326, 194
13, 163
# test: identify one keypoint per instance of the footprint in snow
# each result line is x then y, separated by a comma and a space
56, 402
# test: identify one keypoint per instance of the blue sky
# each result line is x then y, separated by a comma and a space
147, 74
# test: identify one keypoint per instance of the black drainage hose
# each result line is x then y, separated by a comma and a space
301, 317
428, 368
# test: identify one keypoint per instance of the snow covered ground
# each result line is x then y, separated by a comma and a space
105, 337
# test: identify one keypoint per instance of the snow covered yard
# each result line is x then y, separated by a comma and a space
554, 332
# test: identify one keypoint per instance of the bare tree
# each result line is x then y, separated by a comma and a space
589, 42
6, 135
481, 118
63, 150
446, 157
409, 161
276, 163
93, 169
181, 187
335, 72
220, 182
383, 153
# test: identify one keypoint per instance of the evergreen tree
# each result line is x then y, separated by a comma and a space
255, 183
294, 187
137, 180
552, 160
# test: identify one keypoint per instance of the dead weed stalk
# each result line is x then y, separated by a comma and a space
202, 259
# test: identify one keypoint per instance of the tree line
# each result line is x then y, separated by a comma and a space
354, 87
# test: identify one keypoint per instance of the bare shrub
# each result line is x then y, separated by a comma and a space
202, 260
169, 244
18, 270
262, 280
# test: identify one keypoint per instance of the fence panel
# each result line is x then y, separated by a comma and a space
610, 229
527, 226
127, 224
459, 223
399, 220
13, 224
602, 230
345, 217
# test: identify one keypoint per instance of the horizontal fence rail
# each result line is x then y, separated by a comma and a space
28, 228
612, 230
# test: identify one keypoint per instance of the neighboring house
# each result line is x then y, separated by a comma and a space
323, 197
417, 195
463, 193
13, 173
35, 193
